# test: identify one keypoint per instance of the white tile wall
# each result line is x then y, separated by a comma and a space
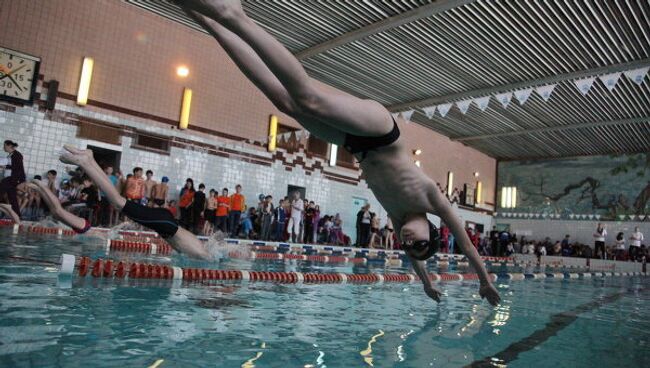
581, 231
41, 140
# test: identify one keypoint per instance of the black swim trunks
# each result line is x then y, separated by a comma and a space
159, 220
360, 144
159, 202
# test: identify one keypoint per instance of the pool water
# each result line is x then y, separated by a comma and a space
47, 321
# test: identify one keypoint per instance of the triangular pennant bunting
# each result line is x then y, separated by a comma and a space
637, 75
463, 105
522, 95
482, 102
584, 85
444, 109
545, 91
407, 114
429, 111
504, 98
610, 80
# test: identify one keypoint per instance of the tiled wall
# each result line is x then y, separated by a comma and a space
581, 231
42, 138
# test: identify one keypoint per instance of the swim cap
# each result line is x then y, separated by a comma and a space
165, 179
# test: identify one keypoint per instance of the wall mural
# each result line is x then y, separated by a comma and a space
607, 187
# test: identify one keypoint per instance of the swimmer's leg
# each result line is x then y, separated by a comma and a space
336, 108
259, 74
7, 210
54, 205
182, 240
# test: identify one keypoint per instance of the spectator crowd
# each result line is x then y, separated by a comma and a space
291, 218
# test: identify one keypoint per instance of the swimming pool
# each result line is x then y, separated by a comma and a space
46, 321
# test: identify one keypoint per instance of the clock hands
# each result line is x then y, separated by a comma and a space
12, 72
8, 75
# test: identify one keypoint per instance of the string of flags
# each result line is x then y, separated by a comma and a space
583, 85
571, 216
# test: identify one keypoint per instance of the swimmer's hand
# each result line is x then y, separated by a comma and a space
433, 293
487, 291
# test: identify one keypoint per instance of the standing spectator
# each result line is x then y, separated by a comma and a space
364, 216
557, 249
620, 246
185, 203
375, 236
223, 206
504, 239
210, 212
89, 196
105, 208
280, 220
510, 250
52, 183
267, 218
444, 237
198, 208
135, 186
494, 240
452, 242
159, 192
297, 208
389, 234
315, 222
14, 174
237, 205
599, 238
149, 183
308, 230
635, 244
566, 245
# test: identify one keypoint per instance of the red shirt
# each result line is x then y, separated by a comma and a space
222, 206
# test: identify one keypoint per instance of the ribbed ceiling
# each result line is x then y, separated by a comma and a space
469, 47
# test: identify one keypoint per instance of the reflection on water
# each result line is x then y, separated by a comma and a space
123, 323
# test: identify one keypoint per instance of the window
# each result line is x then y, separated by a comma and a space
149, 142
317, 146
345, 158
99, 131
287, 138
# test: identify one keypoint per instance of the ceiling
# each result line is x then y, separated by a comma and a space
418, 53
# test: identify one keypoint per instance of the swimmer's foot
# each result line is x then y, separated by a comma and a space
76, 156
6, 208
433, 293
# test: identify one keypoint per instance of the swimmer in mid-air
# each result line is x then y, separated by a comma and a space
363, 127
159, 220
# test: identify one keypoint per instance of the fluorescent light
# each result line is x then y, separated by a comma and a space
334, 149
509, 197
503, 197
514, 197
418, 163
84, 82
476, 174
479, 192
450, 183
185, 108
273, 132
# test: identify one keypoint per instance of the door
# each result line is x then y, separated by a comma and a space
106, 157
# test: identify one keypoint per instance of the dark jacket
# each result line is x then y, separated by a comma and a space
16, 167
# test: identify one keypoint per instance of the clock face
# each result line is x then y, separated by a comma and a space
18, 75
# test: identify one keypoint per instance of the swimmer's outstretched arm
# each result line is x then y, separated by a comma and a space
333, 107
183, 241
55, 207
7, 210
420, 268
440, 206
